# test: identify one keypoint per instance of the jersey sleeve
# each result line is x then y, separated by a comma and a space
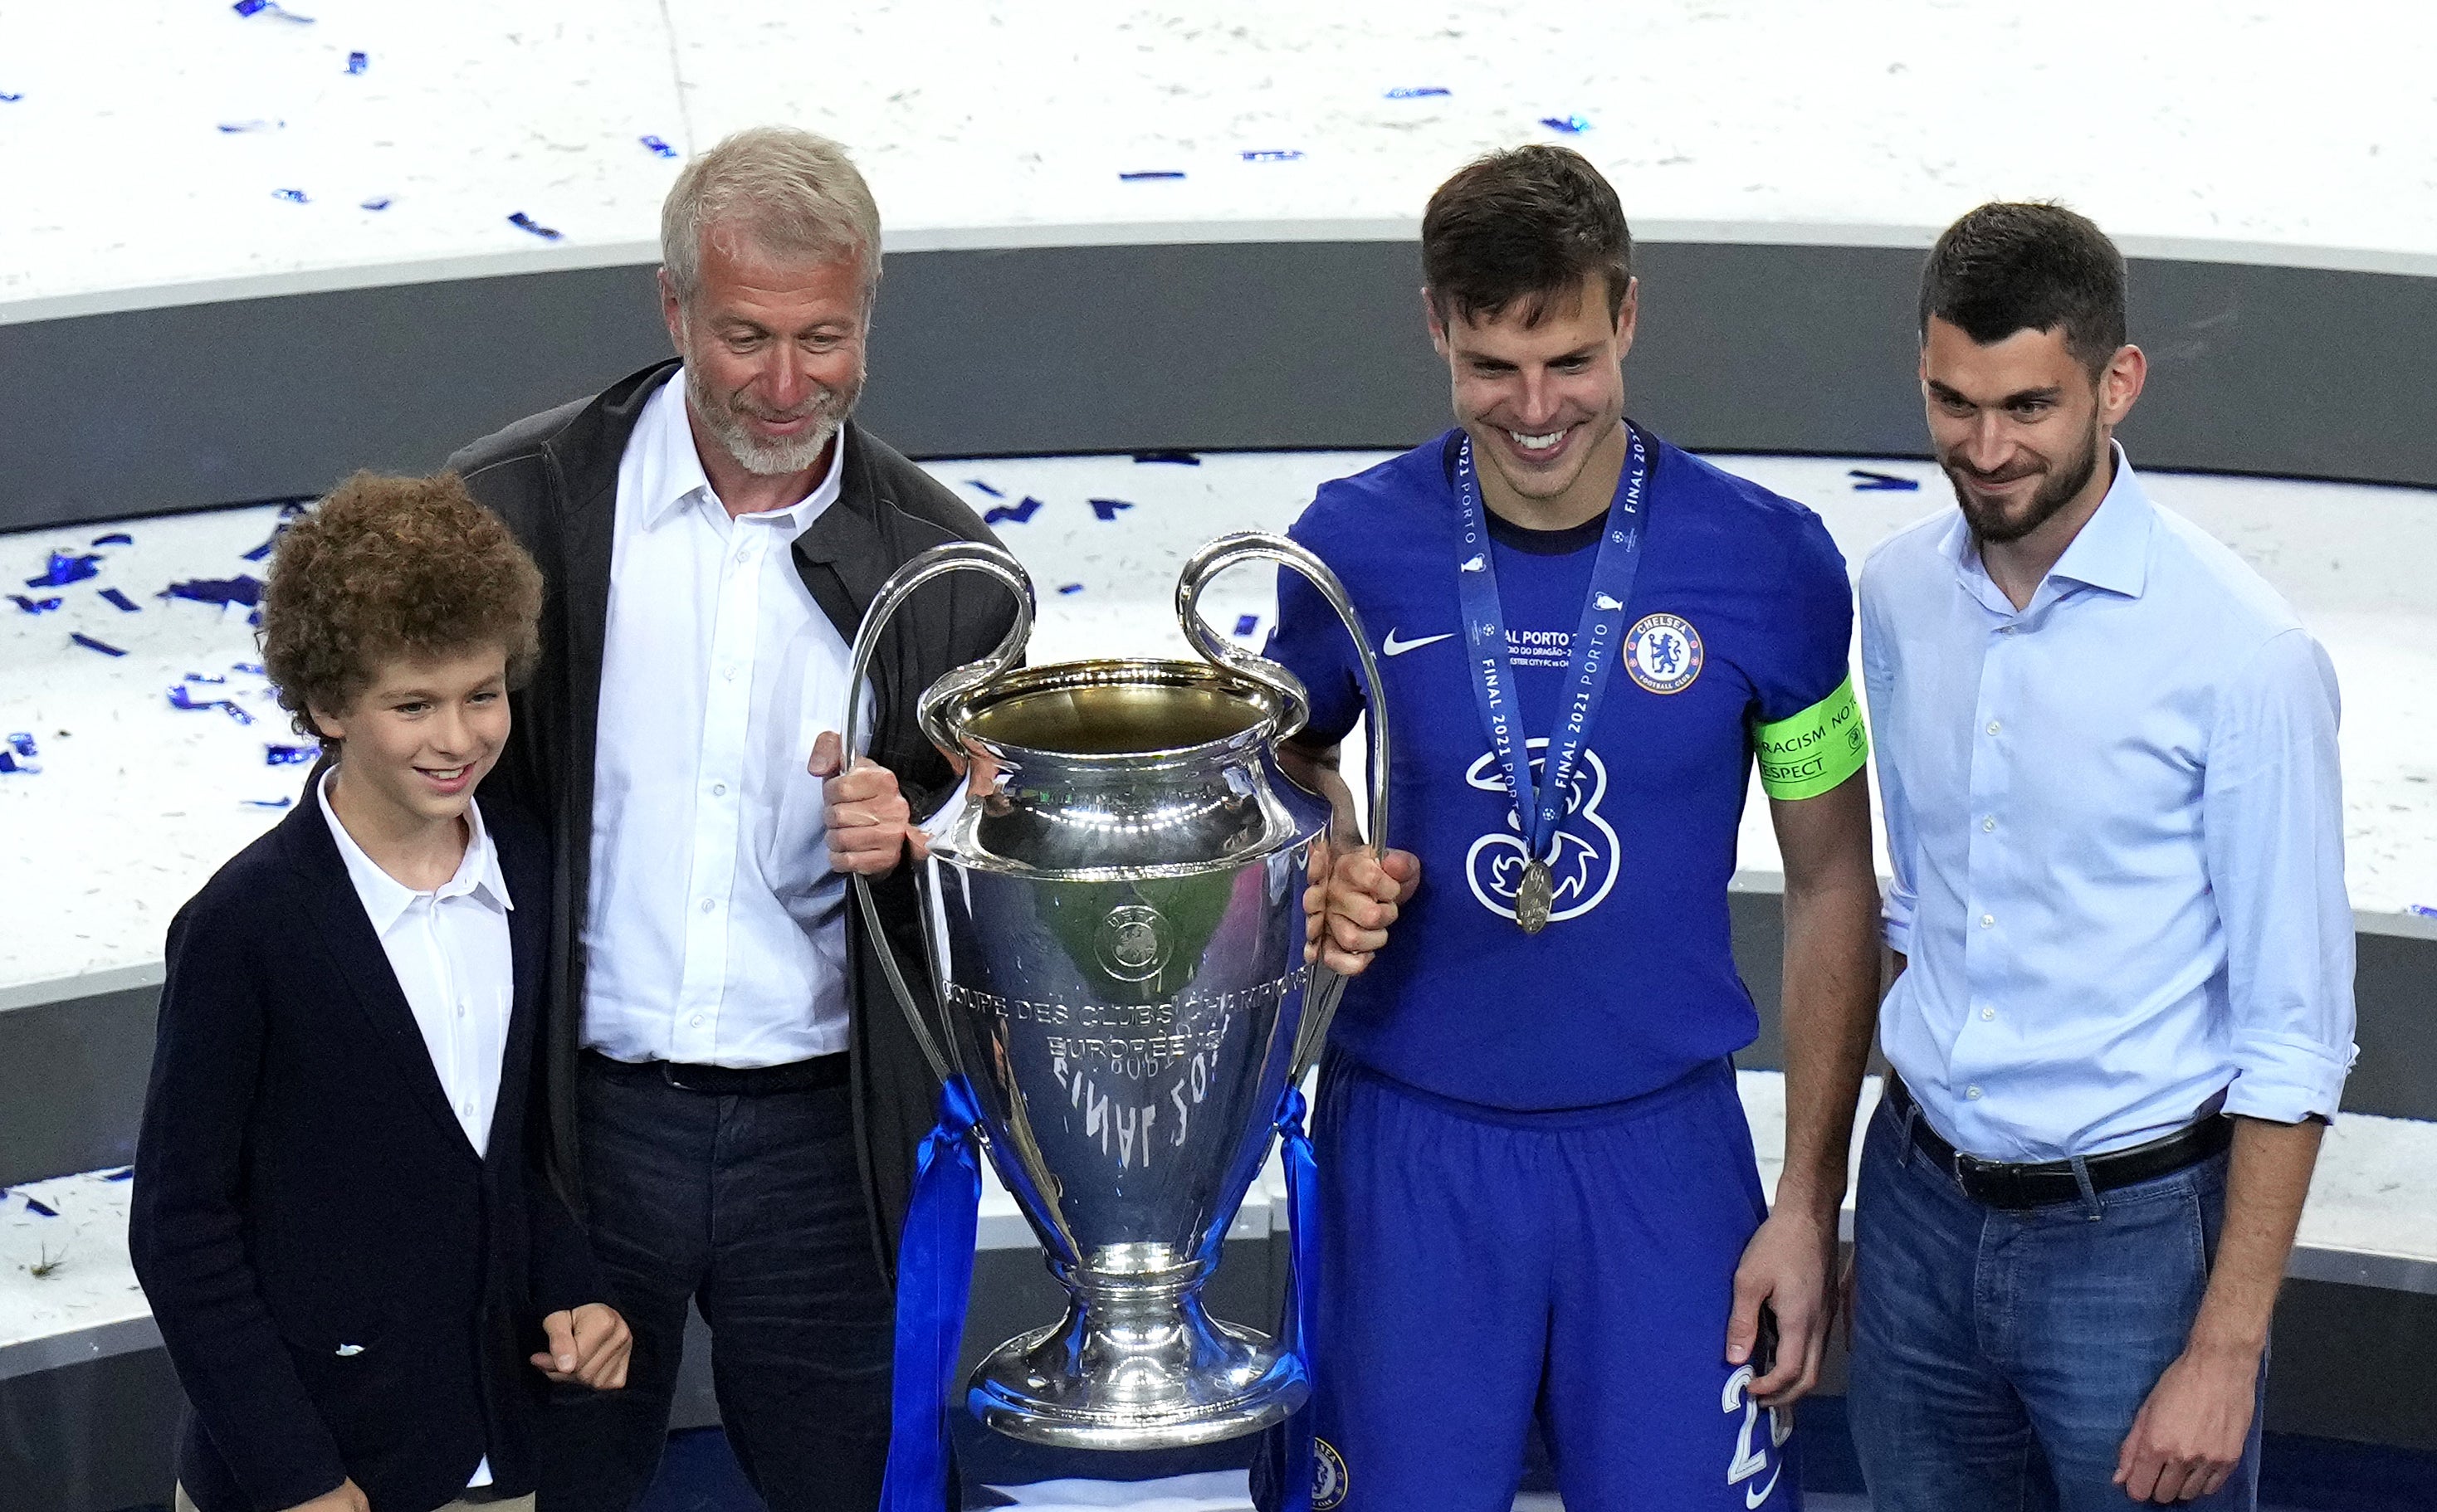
1807, 729
1311, 642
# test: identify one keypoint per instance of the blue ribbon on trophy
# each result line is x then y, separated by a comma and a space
934, 1277
1302, 1283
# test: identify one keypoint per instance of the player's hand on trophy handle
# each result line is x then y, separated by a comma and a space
588, 1346
1352, 901
867, 818
1788, 1266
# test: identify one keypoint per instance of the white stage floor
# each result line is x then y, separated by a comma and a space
138, 801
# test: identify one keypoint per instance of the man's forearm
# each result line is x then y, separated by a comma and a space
1318, 771
2267, 1179
1831, 1004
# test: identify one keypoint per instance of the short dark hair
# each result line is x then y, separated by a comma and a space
1526, 224
391, 566
2007, 267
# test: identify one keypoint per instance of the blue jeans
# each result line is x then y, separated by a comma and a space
1999, 1357
752, 1207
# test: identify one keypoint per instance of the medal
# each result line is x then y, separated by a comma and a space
1540, 807
1532, 899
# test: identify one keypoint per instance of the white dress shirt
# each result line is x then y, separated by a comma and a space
449, 950
715, 933
2116, 824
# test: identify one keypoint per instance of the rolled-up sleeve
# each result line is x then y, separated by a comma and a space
2273, 822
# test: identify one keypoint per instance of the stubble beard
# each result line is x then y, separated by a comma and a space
1993, 526
771, 457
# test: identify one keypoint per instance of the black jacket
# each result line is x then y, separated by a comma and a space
554, 478
345, 1288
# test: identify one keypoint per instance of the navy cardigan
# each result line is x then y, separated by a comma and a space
344, 1287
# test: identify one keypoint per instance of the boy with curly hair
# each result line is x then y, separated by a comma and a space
340, 1218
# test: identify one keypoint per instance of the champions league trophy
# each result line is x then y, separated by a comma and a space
1114, 927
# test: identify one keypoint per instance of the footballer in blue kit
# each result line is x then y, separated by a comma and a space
1539, 1192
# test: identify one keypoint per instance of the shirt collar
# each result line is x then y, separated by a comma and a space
680, 474
386, 898
2110, 552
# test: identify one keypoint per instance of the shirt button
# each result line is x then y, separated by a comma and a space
1993, 725
1972, 1093
1987, 921
719, 789
1989, 823
709, 903
744, 554
1987, 1014
695, 1020
460, 1010
730, 672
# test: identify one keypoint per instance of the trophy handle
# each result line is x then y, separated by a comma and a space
1320, 996
953, 556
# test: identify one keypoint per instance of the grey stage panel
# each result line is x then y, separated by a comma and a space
72, 1079
1251, 345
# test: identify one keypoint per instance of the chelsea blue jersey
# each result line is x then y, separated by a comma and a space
1739, 623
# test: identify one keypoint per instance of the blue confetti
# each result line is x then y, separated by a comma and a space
1423, 92
263, 549
239, 589
241, 128
1181, 459
10, 99
377, 203
1016, 513
1151, 173
34, 1204
1867, 481
23, 743
1246, 625
976, 482
658, 148
256, 7
287, 755
1571, 124
266, 803
114, 538
525, 222
1108, 509
203, 677
122, 1174
89, 643
358, 62
124, 602
180, 698
9, 763
1273, 155
2420, 910
35, 606
63, 569
256, 668
294, 197
1070, 587
247, 7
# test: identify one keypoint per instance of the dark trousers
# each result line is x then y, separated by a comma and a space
2000, 1356
753, 1207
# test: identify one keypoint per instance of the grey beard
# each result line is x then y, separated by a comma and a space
767, 458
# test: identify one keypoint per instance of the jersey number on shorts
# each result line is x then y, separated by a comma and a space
1750, 1461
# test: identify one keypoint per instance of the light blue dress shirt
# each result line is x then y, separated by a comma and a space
2116, 824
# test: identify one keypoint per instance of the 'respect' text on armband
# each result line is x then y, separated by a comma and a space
1807, 754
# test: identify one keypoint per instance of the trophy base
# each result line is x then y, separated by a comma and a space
1137, 1368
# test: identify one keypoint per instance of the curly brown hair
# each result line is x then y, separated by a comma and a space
391, 566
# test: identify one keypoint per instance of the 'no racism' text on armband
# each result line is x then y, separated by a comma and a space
1808, 754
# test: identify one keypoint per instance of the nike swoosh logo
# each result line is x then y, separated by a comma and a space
1754, 1496
1397, 648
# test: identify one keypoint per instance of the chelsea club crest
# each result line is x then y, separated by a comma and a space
1664, 653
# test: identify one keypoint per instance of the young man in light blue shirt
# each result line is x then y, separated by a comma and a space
2107, 750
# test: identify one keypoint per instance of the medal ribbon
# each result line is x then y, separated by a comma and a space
1539, 810
935, 1273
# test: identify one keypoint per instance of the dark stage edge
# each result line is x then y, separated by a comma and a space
1251, 345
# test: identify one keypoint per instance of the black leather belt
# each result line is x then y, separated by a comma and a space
1997, 1184
818, 1075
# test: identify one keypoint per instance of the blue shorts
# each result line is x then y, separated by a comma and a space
1482, 1268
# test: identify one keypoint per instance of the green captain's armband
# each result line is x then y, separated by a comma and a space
1808, 754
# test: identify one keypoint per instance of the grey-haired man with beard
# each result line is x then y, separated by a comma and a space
733, 1098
